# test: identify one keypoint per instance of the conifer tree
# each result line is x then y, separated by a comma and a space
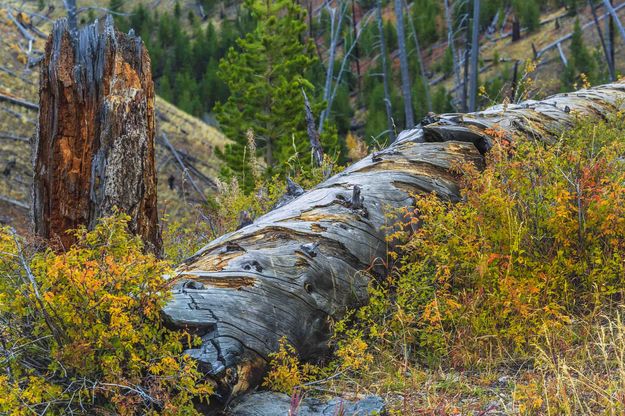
265, 80
581, 61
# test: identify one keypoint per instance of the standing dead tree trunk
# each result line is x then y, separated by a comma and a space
313, 134
307, 262
451, 44
406, 90
475, 54
95, 145
610, 35
356, 51
615, 18
335, 33
604, 46
424, 78
385, 74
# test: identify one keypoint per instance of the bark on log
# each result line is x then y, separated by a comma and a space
95, 145
311, 259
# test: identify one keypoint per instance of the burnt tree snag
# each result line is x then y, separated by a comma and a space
308, 261
95, 145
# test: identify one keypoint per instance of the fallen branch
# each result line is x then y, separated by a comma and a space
16, 75
18, 101
7, 136
185, 172
183, 167
555, 43
14, 202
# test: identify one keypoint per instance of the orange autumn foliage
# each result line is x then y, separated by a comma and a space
82, 329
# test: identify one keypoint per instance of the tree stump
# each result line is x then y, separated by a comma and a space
516, 29
95, 146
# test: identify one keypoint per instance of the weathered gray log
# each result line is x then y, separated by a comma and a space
95, 145
308, 261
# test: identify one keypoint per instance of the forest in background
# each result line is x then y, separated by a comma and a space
187, 50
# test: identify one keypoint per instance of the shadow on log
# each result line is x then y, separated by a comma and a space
95, 147
310, 260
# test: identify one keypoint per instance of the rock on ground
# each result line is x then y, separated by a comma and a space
268, 403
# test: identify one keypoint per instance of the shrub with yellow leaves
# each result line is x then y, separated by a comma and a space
537, 242
82, 331
286, 372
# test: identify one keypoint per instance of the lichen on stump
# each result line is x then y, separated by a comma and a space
95, 145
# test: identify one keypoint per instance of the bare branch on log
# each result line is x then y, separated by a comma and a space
313, 134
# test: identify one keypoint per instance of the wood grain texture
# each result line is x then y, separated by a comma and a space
95, 145
312, 258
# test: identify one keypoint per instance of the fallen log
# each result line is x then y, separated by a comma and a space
94, 150
307, 262
310, 260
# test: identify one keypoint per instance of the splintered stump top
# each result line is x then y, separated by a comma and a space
95, 147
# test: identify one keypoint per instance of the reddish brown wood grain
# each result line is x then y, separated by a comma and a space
95, 145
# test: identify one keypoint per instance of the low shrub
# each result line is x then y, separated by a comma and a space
81, 330
537, 242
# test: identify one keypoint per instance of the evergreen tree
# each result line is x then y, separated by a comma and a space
265, 80
581, 61
447, 66
179, 57
529, 13
425, 14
